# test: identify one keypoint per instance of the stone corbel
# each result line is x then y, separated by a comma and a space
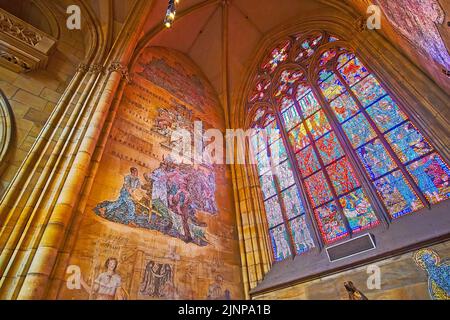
23, 47
121, 69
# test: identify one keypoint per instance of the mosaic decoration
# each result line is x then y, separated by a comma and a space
353, 72
368, 91
386, 114
318, 189
407, 142
419, 25
332, 87
342, 176
376, 159
329, 148
358, 130
292, 202
330, 222
308, 105
307, 161
273, 212
438, 272
397, 195
302, 237
284, 174
318, 124
291, 118
174, 194
277, 56
432, 175
267, 185
344, 107
299, 138
358, 211
280, 243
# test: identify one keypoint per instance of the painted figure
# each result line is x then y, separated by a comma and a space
438, 273
125, 201
107, 285
216, 292
158, 280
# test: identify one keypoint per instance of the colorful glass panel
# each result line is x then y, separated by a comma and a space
344, 58
287, 82
407, 142
277, 152
344, 107
299, 138
280, 243
329, 148
263, 162
397, 195
307, 161
332, 87
342, 176
302, 237
273, 132
273, 212
376, 159
301, 91
291, 118
308, 47
259, 93
292, 202
309, 105
368, 91
286, 103
358, 211
324, 75
330, 223
358, 130
432, 175
327, 57
259, 141
318, 124
267, 185
353, 72
276, 57
285, 175
386, 114
318, 189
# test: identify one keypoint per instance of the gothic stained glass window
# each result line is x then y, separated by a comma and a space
334, 122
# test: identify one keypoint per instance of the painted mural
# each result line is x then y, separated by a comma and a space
438, 273
417, 21
155, 228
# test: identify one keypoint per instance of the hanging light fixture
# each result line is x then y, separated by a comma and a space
171, 12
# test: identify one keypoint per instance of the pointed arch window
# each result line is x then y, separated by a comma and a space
336, 154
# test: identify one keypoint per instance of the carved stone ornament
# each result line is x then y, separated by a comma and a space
23, 47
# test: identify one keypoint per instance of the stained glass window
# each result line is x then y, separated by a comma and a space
340, 151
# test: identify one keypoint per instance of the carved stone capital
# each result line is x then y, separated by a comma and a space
82, 67
95, 68
361, 24
121, 69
